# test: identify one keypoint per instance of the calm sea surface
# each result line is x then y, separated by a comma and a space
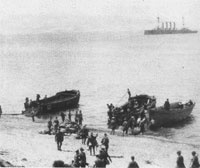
165, 66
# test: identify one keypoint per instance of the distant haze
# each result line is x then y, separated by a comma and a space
38, 16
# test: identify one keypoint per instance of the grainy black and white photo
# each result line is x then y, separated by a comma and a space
100, 83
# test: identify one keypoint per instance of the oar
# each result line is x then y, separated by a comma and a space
121, 99
13, 114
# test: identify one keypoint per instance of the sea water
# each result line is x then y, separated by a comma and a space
166, 66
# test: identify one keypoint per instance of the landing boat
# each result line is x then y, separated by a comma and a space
59, 102
156, 116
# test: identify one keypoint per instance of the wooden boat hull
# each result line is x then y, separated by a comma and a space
59, 102
161, 117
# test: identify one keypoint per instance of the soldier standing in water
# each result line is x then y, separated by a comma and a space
50, 125
69, 115
56, 124
33, 114
0, 111
76, 117
80, 118
62, 116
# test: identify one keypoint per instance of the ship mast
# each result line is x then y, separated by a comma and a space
158, 21
183, 22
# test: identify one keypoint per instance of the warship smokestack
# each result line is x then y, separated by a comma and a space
170, 25
158, 22
166, 25
183, 22
163, 26
174, 26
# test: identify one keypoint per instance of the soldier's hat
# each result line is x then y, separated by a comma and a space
193, 153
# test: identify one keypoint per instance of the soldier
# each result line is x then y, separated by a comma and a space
92, 143
76, 159
142, 124
133, 163
105, 142
49, 125
59, 137
167, 105
69, 116
33, 114
0, 111
125, 127
82, 155
26, 104
80, 118
56, 124
129, 93
62, 116
131, 123
84, 134
76, 117
113, 125
37, 97
104, 156
99, 163
194, 161
180, 161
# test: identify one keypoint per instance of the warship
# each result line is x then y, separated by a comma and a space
168, 28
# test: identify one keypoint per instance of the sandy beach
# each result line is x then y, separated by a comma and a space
22, 145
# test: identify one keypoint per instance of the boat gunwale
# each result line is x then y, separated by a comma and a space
63, 100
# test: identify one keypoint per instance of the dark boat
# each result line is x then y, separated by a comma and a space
156, 116
177, 112
59, 102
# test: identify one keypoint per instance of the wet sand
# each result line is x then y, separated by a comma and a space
22, 145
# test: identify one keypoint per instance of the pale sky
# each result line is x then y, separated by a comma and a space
24, 16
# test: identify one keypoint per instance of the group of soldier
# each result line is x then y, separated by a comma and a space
54, 126
80, 159
193, 164
103, 158
133, 117
90, 140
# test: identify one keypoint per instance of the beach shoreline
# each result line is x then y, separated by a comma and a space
24, 146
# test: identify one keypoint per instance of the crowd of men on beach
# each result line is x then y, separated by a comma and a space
90, 140
102, 158
132, 117
53, 126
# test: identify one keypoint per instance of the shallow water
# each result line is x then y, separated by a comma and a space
165, 66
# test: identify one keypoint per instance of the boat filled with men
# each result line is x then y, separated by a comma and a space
59, 102
140, 111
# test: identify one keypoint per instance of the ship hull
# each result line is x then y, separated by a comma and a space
160, 32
